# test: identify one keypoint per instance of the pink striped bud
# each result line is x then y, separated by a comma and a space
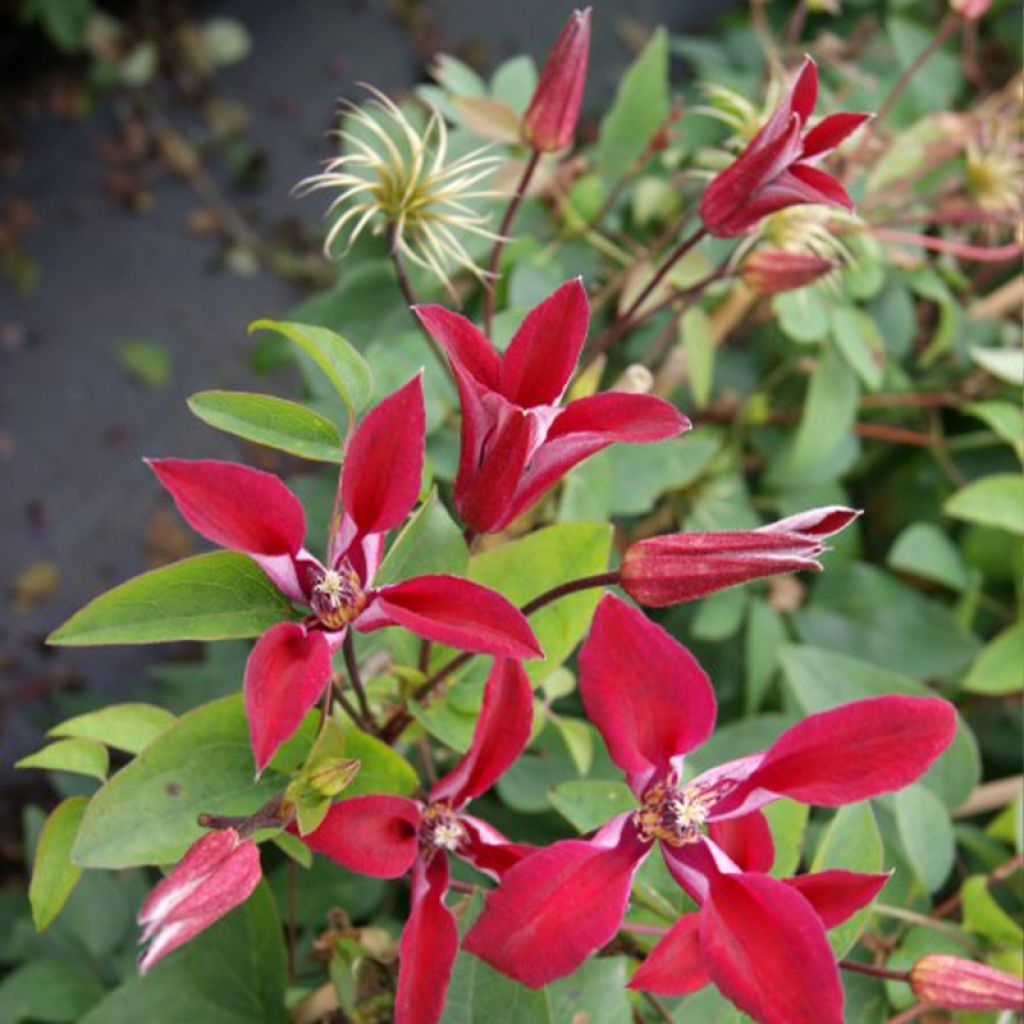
218, 873
958, 984
972, 10
770, 271
550, 120
681, 567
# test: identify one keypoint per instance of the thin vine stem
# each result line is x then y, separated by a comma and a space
356, 680
506, 224
405, 285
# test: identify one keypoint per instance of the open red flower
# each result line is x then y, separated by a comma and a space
778, 166
253, 512
759, 939
219, 872
517, 440
677, 567
386, 836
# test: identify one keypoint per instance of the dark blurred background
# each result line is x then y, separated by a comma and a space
147, 151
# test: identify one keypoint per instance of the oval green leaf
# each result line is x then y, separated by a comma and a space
128, 727
272, 422
219, 596
80, 757
54, 876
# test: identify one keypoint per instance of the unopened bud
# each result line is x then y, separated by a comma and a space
972, 10
770, 271
333, 774
955, 983
550, 120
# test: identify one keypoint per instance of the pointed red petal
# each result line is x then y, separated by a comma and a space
746, 839
236, 507
383, 468
557, 906
485, 488
818, 186
542, 354
588, 425
454, 611
464, 345
501, 733
837, 895
765, 948
674, 967
644, 691
372, 835
488, 850
857, 750
803, 93
818, 523
830, 131
284, 677
430, 943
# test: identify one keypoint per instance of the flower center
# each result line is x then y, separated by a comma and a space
673, 814
440, 829
337, 597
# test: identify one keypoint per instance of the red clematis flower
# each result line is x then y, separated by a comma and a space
549, 123
218, 873
253, 512
679, 567
517, 441
759, 939
386, 836
777, 167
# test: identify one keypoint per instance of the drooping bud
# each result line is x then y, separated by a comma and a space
680, 567
550, 120
770, 271
333, 774
972, 10
218, 873
955, 983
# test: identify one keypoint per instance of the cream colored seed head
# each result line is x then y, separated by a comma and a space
397, 179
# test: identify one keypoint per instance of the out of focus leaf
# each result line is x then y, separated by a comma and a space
802, 314
54, 876
985, 917
996, 500
1005, 364
146, 362
48, 990
925, 551
858, 338
999, 669
430, 542
926, 834
1004, 418
699, 344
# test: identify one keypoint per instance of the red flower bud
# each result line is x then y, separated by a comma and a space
770, 271
681, 567
958, 984
550, 120
218, 873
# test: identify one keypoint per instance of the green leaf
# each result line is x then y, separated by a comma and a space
128, 727
1005, 364
219, 596
828, 416
985, 917
788, 822
50, 991
525, 568
926, 834
53, 875
820, 680
925, 551
766, 635
802, 314
595, 994
81, 757
861, 344
699, 344
865, 612
852, 843
999, 669
232, 973
1004, 418
996, 500
225, 41
273, 422
588, 803
382, 769
146, 814
430, 542
343, 365
641, 106
720, 615
936, 82
578, 739
146, 362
